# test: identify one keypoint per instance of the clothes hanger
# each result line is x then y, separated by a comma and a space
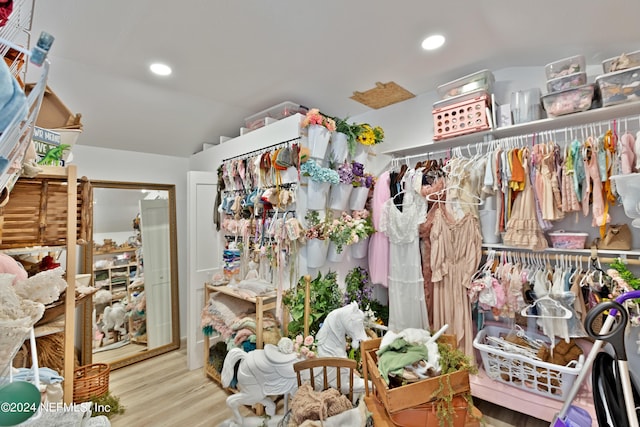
561, 313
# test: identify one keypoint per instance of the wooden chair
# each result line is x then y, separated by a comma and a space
327, 363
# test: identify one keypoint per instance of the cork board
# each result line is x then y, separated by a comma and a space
382, 95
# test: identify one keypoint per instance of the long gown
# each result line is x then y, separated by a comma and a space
407, 308
456, 250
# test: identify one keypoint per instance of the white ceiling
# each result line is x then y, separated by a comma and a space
232, 59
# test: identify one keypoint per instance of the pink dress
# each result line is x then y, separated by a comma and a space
379, 242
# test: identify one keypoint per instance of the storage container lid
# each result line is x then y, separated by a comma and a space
481, 80
616, 73
460, 98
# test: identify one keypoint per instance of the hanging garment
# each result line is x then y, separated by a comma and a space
379, 242
407, 307
456, 250
523, 229
425, 246
570, 201
550, 197
593, 186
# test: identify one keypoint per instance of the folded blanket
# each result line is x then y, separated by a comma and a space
13, 101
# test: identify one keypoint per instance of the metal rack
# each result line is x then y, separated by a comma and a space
18, 31
15, 139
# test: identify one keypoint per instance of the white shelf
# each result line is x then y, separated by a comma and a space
557, 124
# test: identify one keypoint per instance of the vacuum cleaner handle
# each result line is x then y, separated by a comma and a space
615, 336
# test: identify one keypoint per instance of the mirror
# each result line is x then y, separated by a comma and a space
133, 260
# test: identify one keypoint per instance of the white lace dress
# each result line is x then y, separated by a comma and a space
407, 307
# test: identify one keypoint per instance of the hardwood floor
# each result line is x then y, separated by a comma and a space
161, 392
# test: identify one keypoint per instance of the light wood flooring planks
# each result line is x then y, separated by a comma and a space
161, 392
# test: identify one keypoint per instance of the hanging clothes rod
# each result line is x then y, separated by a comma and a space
558, 256
568, 132
262, 150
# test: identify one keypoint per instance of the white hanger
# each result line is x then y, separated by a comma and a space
563, 313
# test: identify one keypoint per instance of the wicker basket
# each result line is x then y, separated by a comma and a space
90, 381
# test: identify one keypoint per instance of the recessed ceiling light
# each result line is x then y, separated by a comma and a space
160, 69
433, 42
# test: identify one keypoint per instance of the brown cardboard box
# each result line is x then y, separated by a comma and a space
54, 114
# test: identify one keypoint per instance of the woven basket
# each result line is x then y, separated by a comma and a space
90, 381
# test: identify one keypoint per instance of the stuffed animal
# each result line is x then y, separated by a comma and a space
113, 318
10, 266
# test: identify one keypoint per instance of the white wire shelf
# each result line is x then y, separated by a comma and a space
15, 139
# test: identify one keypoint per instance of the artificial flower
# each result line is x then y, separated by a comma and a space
285, 345
314, 117
319, 174
370, 135
305, 346
349, 229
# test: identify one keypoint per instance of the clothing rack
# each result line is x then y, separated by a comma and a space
262, 150
555, 256
568, 133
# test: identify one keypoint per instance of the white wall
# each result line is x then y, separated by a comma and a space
128, 166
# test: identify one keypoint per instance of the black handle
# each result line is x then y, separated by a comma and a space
615, 336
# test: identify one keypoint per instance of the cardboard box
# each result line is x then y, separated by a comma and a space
44, 141
54, 114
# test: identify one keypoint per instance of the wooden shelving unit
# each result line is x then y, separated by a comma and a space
54, 224
262, 304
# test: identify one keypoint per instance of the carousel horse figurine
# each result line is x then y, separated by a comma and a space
268, 372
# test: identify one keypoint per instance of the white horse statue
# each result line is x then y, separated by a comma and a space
269, 372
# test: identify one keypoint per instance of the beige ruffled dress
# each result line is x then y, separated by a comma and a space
523, 229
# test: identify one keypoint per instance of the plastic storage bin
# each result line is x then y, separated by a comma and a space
568, 101
567, 240
460, 115
566, 66
481, 80
567, 82
619, 87
622, 62
535, 376
525, 105
277, 112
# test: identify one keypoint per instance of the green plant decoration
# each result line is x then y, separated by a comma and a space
451, 360
352, 131
325, 296
626, 275
108, 405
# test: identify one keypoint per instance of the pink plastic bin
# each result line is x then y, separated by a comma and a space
566, 240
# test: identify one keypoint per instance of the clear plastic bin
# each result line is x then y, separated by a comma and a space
619, 87
622, 62
481, 80
567, 82
568, 101
566, 66
277, 112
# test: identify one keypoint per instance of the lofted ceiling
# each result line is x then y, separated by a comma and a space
232, 59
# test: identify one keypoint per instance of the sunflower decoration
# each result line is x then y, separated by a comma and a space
370, 135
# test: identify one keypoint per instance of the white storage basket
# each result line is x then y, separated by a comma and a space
545, 379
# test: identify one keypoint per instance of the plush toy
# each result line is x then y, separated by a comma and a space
114, 318
9, 265
48, 263
44, 287
30, 166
